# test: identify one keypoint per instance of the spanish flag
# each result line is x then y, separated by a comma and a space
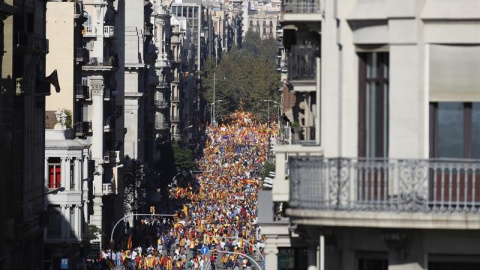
129, 244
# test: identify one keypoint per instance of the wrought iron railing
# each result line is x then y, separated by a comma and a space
301, 6
107, 62
108, 31
82, 91
302, 64
83, 128
400, 185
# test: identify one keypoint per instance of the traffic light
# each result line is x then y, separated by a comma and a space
152, 210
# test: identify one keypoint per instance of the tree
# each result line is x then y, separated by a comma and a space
183, 156
244, 78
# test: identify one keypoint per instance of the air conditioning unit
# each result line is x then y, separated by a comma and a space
106, 159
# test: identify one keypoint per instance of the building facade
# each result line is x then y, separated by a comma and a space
99, 112
381, 173
67, 183
22, 133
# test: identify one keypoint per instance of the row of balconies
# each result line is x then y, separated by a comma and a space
91, 31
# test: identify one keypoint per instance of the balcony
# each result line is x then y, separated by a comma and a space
160, 104
386, 193
81, 55
82, 92
176, 99
89, 31
107, 94
109, 31
32, 42
302, 63
148, 30
83, 129
301, 10
303, 135
94, 63
107, 189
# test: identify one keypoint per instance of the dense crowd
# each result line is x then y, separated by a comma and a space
219, 206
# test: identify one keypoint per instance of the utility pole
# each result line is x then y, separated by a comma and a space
213, 100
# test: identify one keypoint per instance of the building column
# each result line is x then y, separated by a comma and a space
271, 256
67, 173
77, 174
62, 172
46, 173
78, 221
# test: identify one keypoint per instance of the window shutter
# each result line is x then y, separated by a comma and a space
454, 73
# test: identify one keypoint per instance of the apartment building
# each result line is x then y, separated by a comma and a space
101, 115
382, 172
264, 22
67, 181
22, 133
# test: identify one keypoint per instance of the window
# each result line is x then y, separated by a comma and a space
54, 173
455, 130
373, 105
292, 258
54, 228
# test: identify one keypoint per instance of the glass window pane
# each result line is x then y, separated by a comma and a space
450, 130
475, 136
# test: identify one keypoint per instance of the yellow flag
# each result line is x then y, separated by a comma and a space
185, 209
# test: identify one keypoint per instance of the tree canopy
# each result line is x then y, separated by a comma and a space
244, 78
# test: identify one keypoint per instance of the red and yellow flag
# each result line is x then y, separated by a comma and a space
129, 244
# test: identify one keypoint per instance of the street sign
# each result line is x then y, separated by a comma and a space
64, 263
204, 250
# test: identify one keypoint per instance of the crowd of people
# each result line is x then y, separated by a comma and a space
219, 206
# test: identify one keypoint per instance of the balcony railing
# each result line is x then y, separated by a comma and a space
107, 62
301, 6
108, 31
148, 30
31, 41
302, 64
81, 92
107, 188
303, 135
176, 98
384, 185
82, 129
89, 31
81, 54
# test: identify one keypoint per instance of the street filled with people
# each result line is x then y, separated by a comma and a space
216, 209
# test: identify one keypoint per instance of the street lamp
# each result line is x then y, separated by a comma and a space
268, 109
